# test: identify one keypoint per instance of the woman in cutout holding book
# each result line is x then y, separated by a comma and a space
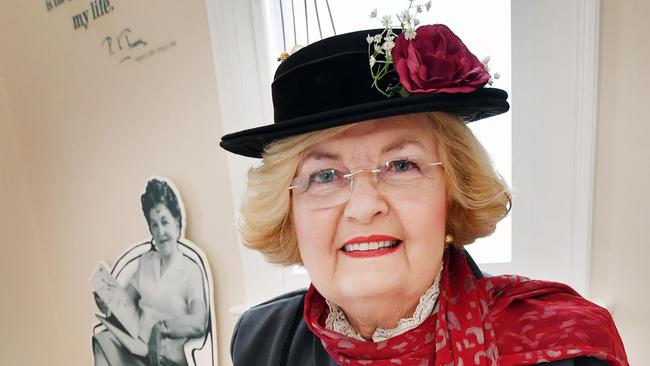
167, 287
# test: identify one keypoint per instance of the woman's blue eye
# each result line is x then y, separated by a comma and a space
325, 176
402, 165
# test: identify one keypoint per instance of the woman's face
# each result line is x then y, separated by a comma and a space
413, 217
164, 229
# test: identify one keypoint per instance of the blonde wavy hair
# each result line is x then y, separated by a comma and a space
477, 196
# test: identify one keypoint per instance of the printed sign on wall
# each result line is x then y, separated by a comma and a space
156, 302
123, 43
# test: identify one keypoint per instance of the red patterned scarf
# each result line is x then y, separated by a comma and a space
504, 320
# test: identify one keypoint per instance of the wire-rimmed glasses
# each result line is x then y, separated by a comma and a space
332, 186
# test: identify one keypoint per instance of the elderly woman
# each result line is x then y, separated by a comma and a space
373, 182
167, 287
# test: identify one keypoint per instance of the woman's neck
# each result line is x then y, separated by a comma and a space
166, 260
365, 316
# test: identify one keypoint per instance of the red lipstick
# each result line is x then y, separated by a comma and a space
372, 252
368, 239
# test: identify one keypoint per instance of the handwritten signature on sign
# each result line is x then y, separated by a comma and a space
125, 43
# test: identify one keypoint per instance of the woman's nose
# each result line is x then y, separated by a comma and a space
366, 201
159, 233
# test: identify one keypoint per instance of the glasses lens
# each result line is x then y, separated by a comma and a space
315, 202
322, 188
405, 172
330, 187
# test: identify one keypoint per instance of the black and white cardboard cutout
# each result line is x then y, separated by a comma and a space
126, 325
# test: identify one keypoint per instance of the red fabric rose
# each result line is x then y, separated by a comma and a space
437, 61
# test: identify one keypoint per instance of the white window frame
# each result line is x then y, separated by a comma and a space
554, 126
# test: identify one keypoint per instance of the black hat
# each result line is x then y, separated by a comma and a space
329, 84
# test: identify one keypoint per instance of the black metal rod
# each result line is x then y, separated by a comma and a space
330, 12
284, 36
320, 31
306, 21
293, 15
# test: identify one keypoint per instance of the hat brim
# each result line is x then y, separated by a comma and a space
482, 103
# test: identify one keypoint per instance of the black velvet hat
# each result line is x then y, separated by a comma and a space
328, 84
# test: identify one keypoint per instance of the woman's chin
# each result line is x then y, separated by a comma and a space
371, 289
165, 249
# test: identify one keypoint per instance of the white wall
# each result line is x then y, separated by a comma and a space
89, 131
26, 309
79, 134
621, 248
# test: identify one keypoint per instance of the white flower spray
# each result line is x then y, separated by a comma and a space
493, 76
380, 46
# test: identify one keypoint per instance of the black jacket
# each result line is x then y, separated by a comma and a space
274, 333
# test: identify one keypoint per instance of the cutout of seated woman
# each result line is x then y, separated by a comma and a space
167, 287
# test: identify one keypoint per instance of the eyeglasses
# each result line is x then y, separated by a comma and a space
332, 186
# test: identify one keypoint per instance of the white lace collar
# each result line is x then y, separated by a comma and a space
337, 321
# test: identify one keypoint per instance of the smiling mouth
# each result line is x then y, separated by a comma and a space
166, 241
371, 246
